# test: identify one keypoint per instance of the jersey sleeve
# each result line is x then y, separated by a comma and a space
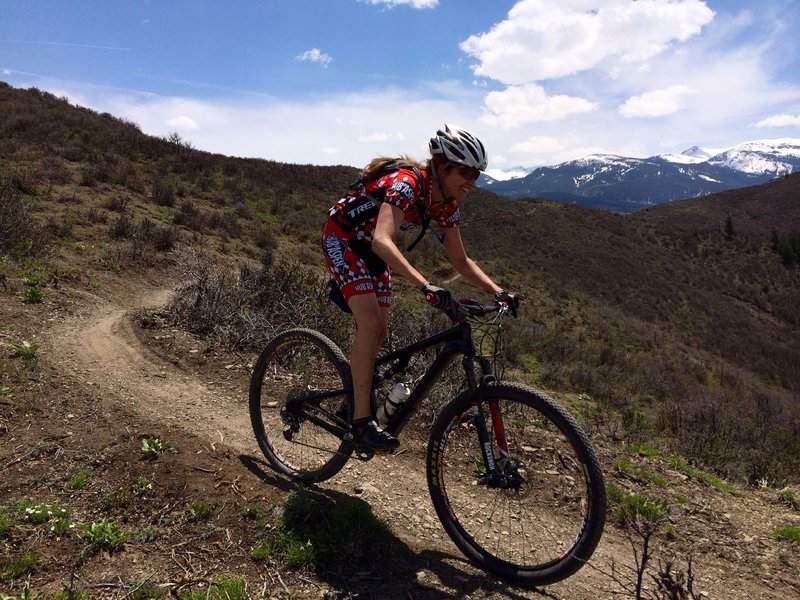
402, 190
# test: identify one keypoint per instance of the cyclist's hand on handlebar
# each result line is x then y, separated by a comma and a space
442, 299
510, 300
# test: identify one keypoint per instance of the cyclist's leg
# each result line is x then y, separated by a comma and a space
370, 333
368, 297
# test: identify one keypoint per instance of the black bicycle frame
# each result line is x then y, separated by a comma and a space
457, 340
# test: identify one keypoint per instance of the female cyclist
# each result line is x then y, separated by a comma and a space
361, 253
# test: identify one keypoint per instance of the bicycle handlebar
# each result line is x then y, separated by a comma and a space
472, 309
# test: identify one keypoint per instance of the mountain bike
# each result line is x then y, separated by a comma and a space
513, 478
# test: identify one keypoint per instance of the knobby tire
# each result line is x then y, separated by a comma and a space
296, 364
545, 526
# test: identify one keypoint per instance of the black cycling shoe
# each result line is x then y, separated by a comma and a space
367, 433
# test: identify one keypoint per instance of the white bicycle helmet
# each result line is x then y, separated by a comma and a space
459, 146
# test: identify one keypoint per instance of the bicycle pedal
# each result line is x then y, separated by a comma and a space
363, 453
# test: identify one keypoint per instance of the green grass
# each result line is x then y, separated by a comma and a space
791, 534
689, 471
643, 449
788, 496
199, 510
79, 481
6, 524
106, 535
224, 588
631, 506
13, 568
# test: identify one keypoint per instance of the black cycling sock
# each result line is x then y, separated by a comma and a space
357, 423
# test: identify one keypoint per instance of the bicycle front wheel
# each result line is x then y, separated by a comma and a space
543, 521
300, 395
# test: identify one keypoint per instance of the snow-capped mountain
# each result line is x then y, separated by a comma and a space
625, 184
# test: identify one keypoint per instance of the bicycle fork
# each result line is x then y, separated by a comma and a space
494, 475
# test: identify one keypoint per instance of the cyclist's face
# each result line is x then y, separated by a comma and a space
458, 182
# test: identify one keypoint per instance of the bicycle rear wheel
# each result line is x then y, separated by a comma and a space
543, 524
300, 395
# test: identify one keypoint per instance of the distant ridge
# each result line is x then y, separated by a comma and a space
624, 184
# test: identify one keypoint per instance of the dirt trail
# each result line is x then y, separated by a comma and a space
100, 348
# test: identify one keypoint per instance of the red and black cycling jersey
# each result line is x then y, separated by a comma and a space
355, 215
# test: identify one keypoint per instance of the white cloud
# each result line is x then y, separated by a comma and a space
315, 55
182, 122
517, 105
547, 39
782, 120
6, 72
656, 103
381, 137
544, 150
411, 3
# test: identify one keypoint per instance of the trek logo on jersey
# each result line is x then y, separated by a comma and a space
404, 189
361, 208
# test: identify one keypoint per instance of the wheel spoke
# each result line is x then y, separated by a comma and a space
303, 440
546, 516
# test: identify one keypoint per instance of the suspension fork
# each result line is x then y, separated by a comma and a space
495, 477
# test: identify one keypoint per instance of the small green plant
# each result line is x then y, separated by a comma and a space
689, 471
148, 533
315, 533
220, 589
79, 481
6, 392
791, 534
287, 548
643, 449
142, 485
480, 466
22, 565
199, 510
6, 524
252, 512
25, 349
788, 496
640, 518
33, 295
43, 513
25, 595
624, 466
105, 534
152, 446
145, 590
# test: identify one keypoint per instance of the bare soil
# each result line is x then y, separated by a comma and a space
106, 377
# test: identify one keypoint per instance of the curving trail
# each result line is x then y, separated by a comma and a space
102, 349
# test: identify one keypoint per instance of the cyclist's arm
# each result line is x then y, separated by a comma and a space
390, 218
454, 248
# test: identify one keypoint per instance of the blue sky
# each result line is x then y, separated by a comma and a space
340, 81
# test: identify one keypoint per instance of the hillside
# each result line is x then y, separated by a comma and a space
145, 275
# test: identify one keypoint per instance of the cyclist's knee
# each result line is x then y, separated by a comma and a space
370, 318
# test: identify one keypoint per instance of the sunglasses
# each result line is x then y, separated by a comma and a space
468, 173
